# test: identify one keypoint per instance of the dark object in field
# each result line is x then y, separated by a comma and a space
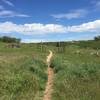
32, 69
13, 45
52, 65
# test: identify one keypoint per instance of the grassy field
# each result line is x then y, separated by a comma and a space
77, 75
23, 73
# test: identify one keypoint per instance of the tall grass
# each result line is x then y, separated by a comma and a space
22, 74
76, 78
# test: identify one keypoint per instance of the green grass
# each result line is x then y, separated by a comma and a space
23, 73
77, 76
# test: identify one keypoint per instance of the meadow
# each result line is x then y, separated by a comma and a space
77, 75
23, 71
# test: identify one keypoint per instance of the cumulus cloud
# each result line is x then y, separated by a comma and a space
86, 27
37, 28
34, 28
8, 3
72, 14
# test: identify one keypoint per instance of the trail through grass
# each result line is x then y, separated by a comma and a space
23, 72
49, 84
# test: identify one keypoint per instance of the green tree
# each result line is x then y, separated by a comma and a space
97, 38
9, 39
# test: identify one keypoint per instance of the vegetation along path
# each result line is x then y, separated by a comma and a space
48, 89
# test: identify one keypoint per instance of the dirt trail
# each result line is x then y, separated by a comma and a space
48, 89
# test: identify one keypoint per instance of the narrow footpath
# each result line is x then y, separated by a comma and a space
49, 84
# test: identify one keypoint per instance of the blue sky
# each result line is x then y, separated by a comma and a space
50, 20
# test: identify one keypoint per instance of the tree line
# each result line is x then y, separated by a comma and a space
7, 39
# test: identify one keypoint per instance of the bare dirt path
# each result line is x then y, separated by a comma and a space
48, 89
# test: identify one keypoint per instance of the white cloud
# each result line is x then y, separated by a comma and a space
33, 40
72, 14
39, 29
35, 28
8, 3
86, 27
9, 13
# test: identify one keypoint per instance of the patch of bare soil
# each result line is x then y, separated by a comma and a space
49, 85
